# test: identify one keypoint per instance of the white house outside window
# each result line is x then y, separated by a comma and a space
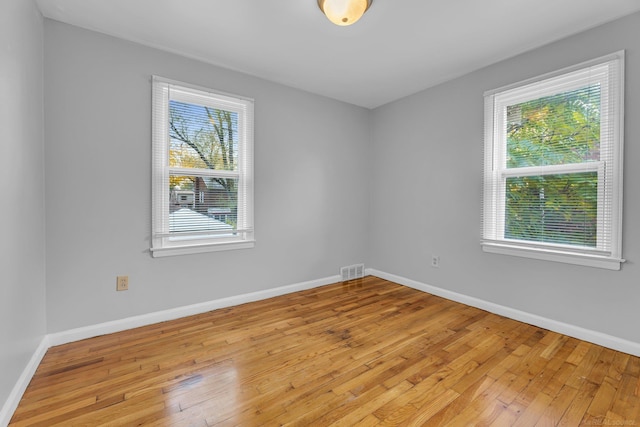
553, 166
202, 170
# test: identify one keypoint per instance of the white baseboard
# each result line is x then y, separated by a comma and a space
594, 337
10, 405
91, 331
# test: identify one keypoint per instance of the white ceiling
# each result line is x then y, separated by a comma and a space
398, 48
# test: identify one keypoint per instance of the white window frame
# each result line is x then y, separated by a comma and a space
163, 242
609, 72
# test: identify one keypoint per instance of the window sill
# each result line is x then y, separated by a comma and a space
588, 260
198, 249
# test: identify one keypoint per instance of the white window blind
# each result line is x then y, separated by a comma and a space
553, 166
202, 195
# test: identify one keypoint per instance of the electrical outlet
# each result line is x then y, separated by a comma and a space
435, 261
122, 283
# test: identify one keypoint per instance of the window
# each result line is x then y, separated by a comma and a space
553, 166
202, 195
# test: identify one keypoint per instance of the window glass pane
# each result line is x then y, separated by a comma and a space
553, 130
202, 204
553, 208
202, 137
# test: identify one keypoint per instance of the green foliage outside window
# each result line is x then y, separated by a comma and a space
555, 130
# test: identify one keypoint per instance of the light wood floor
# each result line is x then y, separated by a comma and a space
366, 352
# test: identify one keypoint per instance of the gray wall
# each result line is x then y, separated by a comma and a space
428, 199
334, 186
22, 260
310, 205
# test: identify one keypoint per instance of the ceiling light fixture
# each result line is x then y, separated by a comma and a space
344, 12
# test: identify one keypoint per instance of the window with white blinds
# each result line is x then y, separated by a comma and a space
202, 189
553, 166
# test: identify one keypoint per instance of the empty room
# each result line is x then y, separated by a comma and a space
319, 212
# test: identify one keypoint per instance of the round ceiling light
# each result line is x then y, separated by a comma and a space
344, 12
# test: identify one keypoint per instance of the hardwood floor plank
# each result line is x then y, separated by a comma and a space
556, 409
366, 352
533, 411
574, 415
509, 416
482, 406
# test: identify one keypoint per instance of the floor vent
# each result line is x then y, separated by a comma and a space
350, 272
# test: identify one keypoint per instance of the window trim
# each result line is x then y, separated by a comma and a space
494, 144
162, 243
